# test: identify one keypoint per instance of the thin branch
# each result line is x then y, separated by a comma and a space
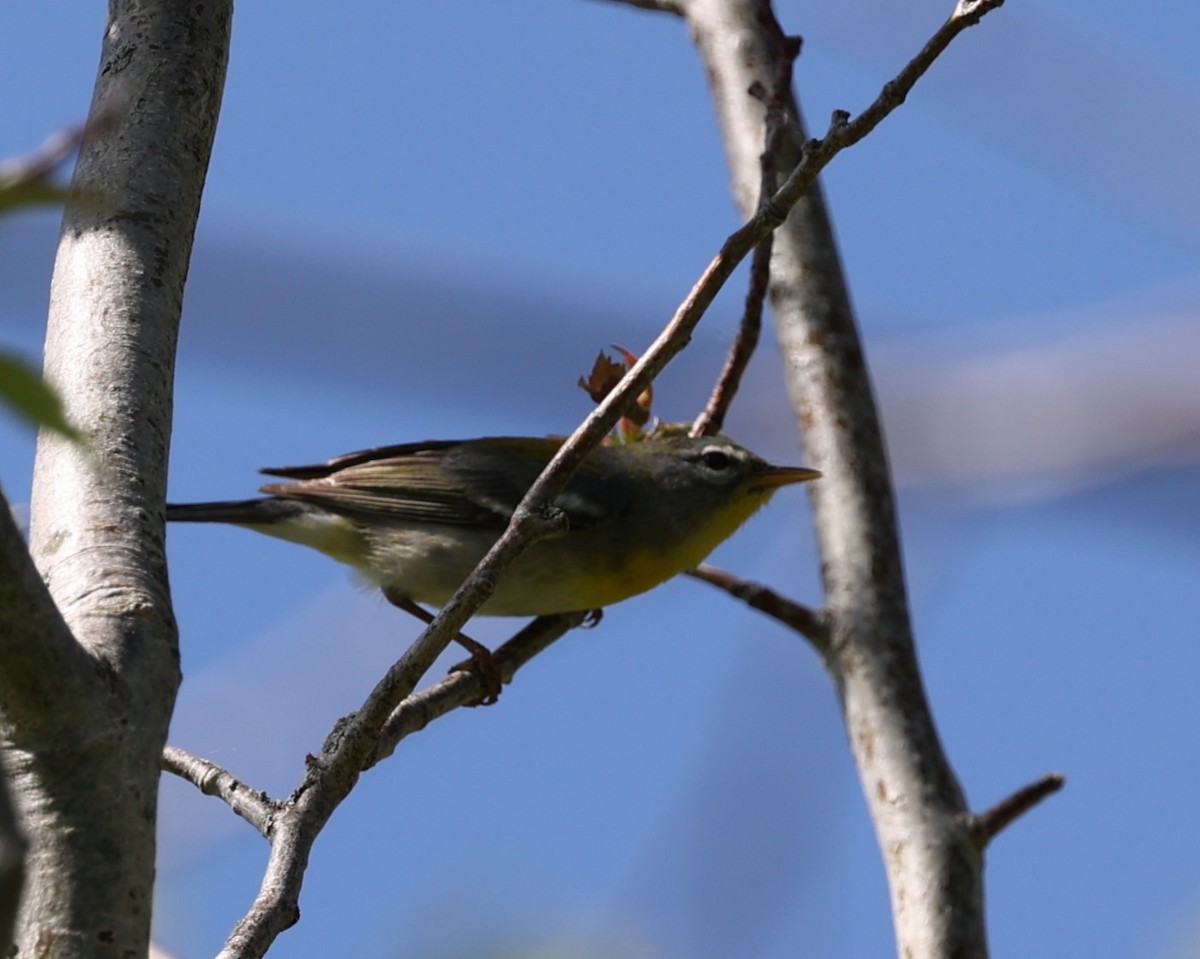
987, 825
329, 777
40, 163
26, 179
808, 622
535, 517
816, 154
465, 687
253, 805
712, 419
844, 132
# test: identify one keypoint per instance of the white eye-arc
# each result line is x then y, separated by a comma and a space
716, 459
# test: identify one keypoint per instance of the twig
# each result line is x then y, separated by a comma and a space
40, 163
815, 155
253, 805
987, 825
808, 622
844, 132
712, 419
25, 180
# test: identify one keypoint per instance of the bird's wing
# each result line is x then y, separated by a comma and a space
498, 473
328, 468
398, 486
477, 484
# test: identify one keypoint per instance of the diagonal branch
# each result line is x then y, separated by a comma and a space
535, 517
352, 744
293, 827
464, 687
253, 805
988, 824
26, 179
809, 623
712, 419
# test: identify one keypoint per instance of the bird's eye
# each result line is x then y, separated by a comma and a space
716, 460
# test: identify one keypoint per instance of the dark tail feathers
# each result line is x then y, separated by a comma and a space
247, 512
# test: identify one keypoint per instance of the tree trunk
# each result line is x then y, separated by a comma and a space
88, 698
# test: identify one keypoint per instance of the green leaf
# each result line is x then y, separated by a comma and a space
33, 192
24, 391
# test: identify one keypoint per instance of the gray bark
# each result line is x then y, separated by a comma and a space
89, 681
932, 858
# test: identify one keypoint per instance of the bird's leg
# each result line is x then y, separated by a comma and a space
481, 661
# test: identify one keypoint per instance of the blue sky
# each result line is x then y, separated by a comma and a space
424, 220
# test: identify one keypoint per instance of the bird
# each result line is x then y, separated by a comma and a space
415, 519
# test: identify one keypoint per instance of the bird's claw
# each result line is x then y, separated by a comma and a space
483, 664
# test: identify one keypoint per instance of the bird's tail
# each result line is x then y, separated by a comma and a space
246, 512
291, 520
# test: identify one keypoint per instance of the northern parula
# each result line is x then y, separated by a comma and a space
415, 519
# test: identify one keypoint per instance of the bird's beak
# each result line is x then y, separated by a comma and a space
776, 476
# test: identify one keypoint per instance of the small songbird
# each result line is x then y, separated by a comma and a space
415, 519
